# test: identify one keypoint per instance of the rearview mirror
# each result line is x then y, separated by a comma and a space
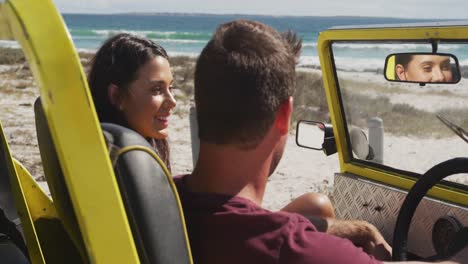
422, 68
315, 135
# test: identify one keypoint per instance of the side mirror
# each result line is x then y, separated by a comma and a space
316, 135
422, 68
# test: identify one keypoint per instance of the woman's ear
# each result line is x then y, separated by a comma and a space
400, 72
114, 95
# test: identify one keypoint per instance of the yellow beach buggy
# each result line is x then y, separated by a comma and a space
397, 142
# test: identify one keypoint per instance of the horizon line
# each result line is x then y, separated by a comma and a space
261, 15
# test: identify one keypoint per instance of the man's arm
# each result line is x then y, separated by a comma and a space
361, 233
365, 235
368, 237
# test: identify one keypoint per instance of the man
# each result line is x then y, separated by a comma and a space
244, 81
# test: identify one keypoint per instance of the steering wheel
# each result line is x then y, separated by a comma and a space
414, 197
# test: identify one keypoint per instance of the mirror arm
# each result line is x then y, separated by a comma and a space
435, 45
329, 146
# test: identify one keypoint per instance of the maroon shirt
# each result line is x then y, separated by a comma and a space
226, 229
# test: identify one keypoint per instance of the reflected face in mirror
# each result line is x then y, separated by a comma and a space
423, 68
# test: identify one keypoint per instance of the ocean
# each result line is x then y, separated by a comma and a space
186, 34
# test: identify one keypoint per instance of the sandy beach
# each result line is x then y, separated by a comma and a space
300, 171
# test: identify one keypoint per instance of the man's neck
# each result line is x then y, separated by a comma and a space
229, 170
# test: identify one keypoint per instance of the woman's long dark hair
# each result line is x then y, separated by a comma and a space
117, 62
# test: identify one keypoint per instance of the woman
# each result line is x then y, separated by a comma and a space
131, 84
424, 68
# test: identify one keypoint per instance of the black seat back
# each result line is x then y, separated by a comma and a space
10, 253
150, 198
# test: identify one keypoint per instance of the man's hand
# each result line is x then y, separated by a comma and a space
362, 234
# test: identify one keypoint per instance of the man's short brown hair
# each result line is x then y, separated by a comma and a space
245, 72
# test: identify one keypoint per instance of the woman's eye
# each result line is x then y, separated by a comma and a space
427, 69
156, 90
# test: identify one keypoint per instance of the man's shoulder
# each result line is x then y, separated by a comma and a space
179, 177
179, 182
289, 237
239, 206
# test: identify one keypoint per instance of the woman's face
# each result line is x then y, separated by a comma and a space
149, 101
426, 68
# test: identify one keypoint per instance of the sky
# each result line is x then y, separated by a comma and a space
432, 9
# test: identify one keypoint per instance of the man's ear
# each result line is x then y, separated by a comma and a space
114, 95
400, 72
283, 116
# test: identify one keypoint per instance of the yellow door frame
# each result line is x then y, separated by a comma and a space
47, 45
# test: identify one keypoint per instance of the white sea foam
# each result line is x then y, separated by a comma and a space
390, 47
463, 62
86, 50
9, 44
346, 63
396, 46
179, 41
107, 32
159, 36
309, 60
188, 54
358, 64
307, 44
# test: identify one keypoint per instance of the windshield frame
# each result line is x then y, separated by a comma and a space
402, 179
368, 164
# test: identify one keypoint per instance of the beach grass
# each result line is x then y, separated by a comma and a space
400, 119
310, 102
309, 98
183, 69
9, 56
